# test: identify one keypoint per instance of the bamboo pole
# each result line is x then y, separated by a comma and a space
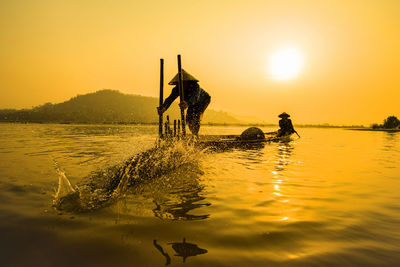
179, 128
160, 118
174, 128
168, 127
181, 95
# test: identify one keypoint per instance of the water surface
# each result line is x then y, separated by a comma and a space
328, 198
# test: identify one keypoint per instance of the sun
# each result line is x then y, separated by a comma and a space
285, 64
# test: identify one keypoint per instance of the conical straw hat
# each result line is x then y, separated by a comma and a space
185, 77
284, 115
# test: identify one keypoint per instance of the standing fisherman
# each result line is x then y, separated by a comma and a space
196, 100
286, 126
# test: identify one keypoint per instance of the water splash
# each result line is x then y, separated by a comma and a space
66, 197
102, 187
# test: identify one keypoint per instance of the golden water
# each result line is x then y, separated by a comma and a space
328, 198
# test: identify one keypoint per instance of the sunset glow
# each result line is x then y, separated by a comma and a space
317, 55
200, 133
285, 64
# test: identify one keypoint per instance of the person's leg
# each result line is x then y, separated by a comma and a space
189, 114
195, 113
194, 123
200, 111
204, 104
191, 118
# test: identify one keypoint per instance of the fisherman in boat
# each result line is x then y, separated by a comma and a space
285, 124
196, 100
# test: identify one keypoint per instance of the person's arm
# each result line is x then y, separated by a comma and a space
168, 101
291, 126
293, 130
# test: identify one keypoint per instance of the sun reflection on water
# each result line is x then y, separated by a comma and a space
279, 180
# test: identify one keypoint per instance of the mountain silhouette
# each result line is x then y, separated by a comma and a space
106, 106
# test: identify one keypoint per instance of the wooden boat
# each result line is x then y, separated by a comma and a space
236, 141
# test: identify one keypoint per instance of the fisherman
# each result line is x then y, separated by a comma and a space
285, 124
196, 100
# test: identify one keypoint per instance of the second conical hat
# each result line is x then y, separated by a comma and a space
185, 77
284, 115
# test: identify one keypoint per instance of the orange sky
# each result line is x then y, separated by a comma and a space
52, 50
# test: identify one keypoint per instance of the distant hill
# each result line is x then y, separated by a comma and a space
106, 106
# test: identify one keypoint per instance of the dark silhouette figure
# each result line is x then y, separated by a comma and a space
285, 124
185, 250
196, 100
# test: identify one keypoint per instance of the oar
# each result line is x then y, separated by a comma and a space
297, 133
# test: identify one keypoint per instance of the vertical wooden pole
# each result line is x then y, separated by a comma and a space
168, 128
174, 127
179, 128
181, 95
160, 118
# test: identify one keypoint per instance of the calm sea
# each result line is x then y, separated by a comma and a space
329, 198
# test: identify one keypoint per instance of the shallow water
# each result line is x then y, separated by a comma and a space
329, 198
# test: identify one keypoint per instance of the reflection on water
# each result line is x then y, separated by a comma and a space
285, 150
390, 150
237, 146
181, 195
279, 179
390, 141
160, 248
175, 195
179, 211
330, 198
182, 249
185, 250
251, 156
